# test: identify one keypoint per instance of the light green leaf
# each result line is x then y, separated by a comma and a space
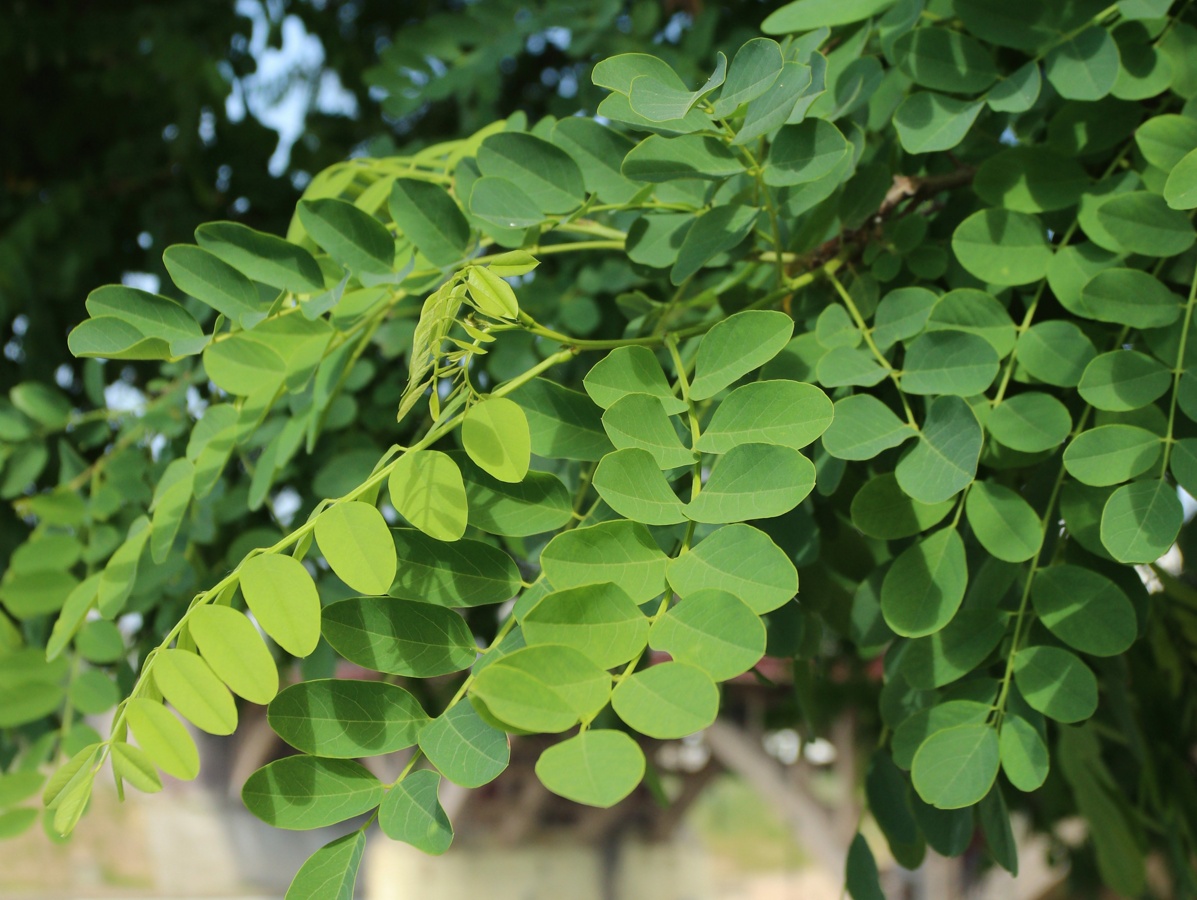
620, 552
302, 792
242, 366
504, 203
787, 413
639, 420
1084, 67
915, 729
1142, 222
1004, 523
127, 323
925, 585
262, 257
1123, 380
737, 345
659, 159
944, 460
928, 122
844, 366
632, 484
331, 872
429, 218
598, 767
775, 106
955, 651
495, 435
491, 294
356, 240
163, 737
1165, 140
208, 278
1030, 422
1084, 609
172, 497
233, 648
714, 232
599, 152
545, 172
1024, 753
599, 620
1180, 190
753, 481
1056, 683
399, 637
133, 765
667, 701
347, 719
1055, 352
663, 102
862, 427
956, 767
882, 510
975, 312
713, 630
949, 362
1002, 247
354, 539
463, 573
1141, 520
411, 812
426, 488
755, 67
543, 689
740, 560
807, 15
630, 370
1111, 454
465, 749
194, 690
280, 593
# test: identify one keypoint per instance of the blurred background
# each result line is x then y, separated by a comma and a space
127, 124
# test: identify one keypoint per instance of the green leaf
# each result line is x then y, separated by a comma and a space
786, 413
663, 102
955, 651
632, 484
862, 881
504, 203
544, 689
598, 767
630, 370
713, 630
163, 737
426, 488
242, 366
844, 366
354, 539
545, 172
346, 719
411, 812
667, 701
1030, 422
1024, 753
739, 560
1030, 179
194, 690
956, 767
262, 257
134, 766
1084, 609
1180, 190
1002, 247
1018, 91
1004, 523
15, 822
945, 60
928, 122
599, 620
465, 749
431, 219
491, 294
356, 240
30, 594
399, 637
233, 648
915, 729
302, 792
949, 362
736, 346
463, 573
172, 497
944, 461
1056, 683
862, 427
537, 504
616, 73
331, 872
753, 481
773, 108
925, 585
639, 420
1084, 67
495, 434
207, 278
755, 67
1142, 222
881, 510
1111, 454
807, 15
127, 323
658, 159
16, 786
599, 152
714, 232
975, 312
1141, 520
1055, 352
886, 793
562, 423
1165, 140
280, 593
620, 552
23, 703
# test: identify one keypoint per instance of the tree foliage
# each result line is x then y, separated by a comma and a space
894, 300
